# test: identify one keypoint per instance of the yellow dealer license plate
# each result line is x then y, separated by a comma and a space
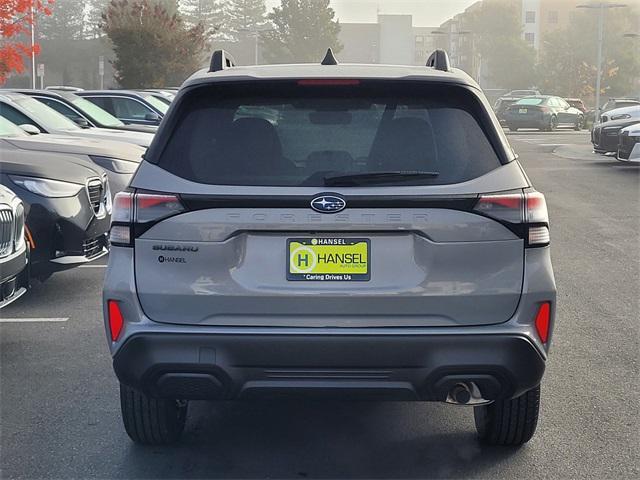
325, 259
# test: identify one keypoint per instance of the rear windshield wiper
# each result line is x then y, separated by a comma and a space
364, 178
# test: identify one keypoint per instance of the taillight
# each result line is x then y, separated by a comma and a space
543, 321
525, 213
116, 320
134, 213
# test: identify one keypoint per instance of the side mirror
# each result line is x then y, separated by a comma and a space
30, 129
81, 122
152, 117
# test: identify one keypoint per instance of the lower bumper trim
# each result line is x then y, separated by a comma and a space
399, 367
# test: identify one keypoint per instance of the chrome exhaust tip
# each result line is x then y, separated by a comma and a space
466, 393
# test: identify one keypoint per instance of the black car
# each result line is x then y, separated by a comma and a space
604, 135
544, 112
82, 111
14, 250
131, 107
67, 207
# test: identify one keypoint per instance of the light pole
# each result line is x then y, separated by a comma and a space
602, 6
33, 46
255, 33
635, 36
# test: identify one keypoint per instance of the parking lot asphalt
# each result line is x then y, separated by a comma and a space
59, 404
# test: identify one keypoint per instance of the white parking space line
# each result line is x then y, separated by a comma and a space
33, 320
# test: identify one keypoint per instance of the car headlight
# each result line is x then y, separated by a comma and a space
46, 187
115, 165
622, 116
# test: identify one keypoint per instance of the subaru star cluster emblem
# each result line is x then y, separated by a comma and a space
328, 203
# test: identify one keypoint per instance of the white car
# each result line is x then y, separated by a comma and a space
624, 113
629, 144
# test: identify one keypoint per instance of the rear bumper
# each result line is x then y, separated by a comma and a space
361, 366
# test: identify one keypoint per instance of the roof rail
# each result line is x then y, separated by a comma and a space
329, 58
221, 60
439, 60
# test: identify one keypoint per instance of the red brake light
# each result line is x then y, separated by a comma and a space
328, 81
152, 207
507, 207
543, 319
528, 209
116, 321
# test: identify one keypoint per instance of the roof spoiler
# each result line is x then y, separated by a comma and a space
439, 60
221, 60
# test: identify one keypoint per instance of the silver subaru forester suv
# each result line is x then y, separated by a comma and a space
349, 231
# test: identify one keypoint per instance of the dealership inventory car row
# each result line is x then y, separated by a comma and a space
62, 159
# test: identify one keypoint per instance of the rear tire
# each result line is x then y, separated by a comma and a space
151, 421
508, 422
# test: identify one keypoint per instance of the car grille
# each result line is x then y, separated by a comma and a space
95, 190
7, 231
19, 226
626, 140
92, 247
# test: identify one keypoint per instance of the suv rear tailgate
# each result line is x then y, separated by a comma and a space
428, 267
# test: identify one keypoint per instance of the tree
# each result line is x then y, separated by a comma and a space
510, 60
568, 57
15, 20
246, 16
212, 14
302, 31
152, 47
66, 21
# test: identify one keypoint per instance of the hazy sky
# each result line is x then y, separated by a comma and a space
428, 13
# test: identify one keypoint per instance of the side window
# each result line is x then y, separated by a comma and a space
129, 109
60, 108
103, 102
14, 115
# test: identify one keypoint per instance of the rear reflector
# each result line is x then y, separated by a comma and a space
116, 321
543, 318
328, 81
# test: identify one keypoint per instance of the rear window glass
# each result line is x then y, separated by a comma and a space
272, 135
530, 101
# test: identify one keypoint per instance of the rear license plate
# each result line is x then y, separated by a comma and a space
523, 110
325, 259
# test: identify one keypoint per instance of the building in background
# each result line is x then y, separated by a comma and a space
393, 40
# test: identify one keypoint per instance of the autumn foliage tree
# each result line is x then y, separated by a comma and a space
153, 47
15, 21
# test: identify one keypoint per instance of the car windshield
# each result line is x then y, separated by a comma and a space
8, 129
44, 115
156, 103
92, 110
530, 101
301, 136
